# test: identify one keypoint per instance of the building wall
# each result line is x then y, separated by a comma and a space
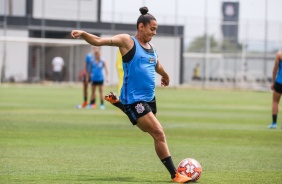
16, 57
65, 10
33, 62
16, 65
16, 8
168, 50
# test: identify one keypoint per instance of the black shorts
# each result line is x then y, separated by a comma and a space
278, 87
139, 109
97, 83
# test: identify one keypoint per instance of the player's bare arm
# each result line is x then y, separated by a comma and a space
123, 41
161, 71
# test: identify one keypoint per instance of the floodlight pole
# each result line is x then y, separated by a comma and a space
43, 59
176, 75
207, 46
2, 71
74, 49
112, 49
265, 42
78, 15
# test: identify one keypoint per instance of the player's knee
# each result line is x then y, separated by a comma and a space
159, 135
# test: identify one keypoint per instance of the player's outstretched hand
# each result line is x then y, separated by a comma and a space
76, 33
164, 81
272, 86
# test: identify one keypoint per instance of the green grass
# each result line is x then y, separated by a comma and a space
44, 139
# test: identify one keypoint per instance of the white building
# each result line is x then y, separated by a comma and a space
26, 54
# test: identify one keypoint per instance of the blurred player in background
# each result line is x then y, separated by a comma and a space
119, 71
97, 65
84, 76
196, 72
140, 62
276, 86
58, 66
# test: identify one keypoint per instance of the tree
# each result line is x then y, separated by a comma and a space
229, 46
199, 45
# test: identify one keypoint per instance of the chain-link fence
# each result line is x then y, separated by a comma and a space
222, 51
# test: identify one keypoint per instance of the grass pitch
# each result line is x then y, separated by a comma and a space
44, 139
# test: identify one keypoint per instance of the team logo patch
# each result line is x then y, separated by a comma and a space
152, 60
139, 108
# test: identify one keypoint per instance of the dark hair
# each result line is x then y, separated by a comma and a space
145, 17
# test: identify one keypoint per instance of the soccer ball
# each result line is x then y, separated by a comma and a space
191, 168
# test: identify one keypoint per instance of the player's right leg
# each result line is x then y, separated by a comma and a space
275, 106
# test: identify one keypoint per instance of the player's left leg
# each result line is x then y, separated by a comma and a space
275, 108
277, 91
102, 106
149, 123
92, 103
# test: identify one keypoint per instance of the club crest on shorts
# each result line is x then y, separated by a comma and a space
139, 108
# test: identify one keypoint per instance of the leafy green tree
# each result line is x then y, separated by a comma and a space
199, 45
229, 46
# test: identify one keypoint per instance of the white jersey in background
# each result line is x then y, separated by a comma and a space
58, 64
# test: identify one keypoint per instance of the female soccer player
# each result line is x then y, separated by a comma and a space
276, 86
97, 65
140, 63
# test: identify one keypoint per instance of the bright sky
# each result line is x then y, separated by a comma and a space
191, 14
249, 9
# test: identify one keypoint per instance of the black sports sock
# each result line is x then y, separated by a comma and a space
274, 118
85, 99
169, 166
102, 102
119, 105
92, 101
